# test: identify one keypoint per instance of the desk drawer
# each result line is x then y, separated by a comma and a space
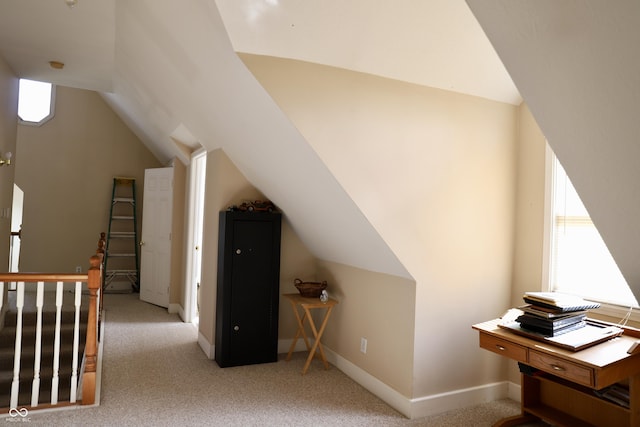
561, 368
503, 347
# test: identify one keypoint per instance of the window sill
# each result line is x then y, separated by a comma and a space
616, 314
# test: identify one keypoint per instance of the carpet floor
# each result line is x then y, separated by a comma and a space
155, 374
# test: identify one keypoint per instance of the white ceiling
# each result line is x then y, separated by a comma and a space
435, 43
34, 32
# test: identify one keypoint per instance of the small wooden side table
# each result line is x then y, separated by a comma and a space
308, 304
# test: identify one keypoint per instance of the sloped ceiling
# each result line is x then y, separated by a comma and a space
169, 69
435, 43
576, 64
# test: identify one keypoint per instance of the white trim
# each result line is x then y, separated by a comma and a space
426, 405
190, 294
206, 346
548, 226
617, 312
176, 308
515, 392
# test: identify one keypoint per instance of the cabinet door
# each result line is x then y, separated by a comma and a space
252, 284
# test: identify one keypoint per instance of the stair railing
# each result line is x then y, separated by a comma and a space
93, 279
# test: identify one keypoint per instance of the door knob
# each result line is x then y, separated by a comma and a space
141, 243
236, 328
238, 251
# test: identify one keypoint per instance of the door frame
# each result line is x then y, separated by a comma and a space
195, 220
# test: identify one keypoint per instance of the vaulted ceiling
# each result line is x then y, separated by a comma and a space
169, 69
435, 43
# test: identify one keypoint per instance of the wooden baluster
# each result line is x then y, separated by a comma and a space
91, 349
15, 385
55, 380
35, 387
76, 344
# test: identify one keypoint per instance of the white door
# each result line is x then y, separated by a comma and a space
155, 242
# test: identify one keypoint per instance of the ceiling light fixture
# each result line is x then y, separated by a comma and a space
71, 3
56, 64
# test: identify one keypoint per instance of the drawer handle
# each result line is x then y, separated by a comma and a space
558, 368
501, 348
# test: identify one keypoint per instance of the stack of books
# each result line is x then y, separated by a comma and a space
552, 314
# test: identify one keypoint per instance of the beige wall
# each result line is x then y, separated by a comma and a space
8, 132
66, 169
226, 186
530, 200
434, 172
379, 308
529, 243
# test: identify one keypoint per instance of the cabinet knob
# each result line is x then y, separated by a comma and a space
236, 328
238, 251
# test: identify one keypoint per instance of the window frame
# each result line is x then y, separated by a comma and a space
52, 109
606, 309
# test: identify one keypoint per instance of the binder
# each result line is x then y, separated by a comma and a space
551, 326
559, 302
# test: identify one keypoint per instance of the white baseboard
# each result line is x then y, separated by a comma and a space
176, 308
206, 346
515, 392
438, 403
427, 405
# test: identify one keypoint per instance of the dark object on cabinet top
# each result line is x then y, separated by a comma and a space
254, 206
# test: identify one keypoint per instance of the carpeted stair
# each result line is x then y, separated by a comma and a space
7, 345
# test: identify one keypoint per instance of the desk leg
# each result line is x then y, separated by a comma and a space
529, 390
299, 332
318, 335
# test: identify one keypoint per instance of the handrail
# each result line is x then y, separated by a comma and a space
93, 278
44, 277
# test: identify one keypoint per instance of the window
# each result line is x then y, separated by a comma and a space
580, 261
35, 102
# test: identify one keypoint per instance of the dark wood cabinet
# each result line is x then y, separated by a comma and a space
248, 288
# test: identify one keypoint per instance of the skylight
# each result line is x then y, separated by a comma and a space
35, 101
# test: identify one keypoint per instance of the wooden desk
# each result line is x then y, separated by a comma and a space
561, 389
308, 304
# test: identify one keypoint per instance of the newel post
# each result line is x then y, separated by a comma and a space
91, 348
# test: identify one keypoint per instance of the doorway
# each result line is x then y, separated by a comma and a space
16, 231
197, 179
